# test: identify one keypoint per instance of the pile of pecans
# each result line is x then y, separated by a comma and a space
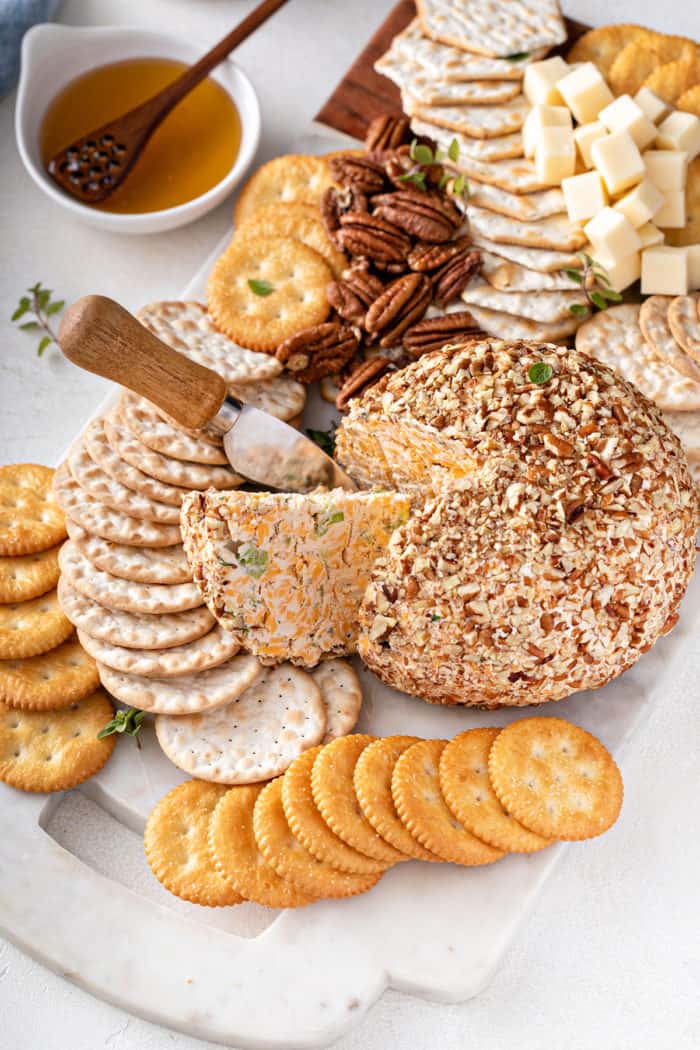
399, 221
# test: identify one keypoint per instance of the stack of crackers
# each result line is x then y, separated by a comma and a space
345, 812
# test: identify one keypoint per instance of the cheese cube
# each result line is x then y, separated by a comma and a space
621, 270
664, 270
618, 160
693, 251
650, 234
667, 169
641, 204
612, 233
651, 105
625, 115
671, 214
555, 155
539, 83
585, 92
680, 131
542, 117
585, 196
585, 135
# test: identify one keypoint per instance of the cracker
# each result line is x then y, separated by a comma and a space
187, 694
111, 462
283, 397
516, 175
372, 782
255, 737
54, 750
334, 794
555, 232
686, 427
300, 221
237, 857
293, 177
451, 63
100, 486
143, 564
602, 46
292, 862
172, 471
130, 630
500, 147
176, 842
115, 593
415, 787
690, 233
555, 778
50, 681
101, 520
527, 207
466, 788
689, 101
30, 518
656, 329
297, 276
673, 79
684, 321
614, 337
480, 122
511, 277
642, 56
544, 260
211, 650
32, 627
142, 418
505, 326
27, 576
545, 307
309, 827
341, 692
426, 90
499, 28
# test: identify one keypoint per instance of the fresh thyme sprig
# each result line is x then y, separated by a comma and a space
595, 285
38, 303
423, 158
128, 721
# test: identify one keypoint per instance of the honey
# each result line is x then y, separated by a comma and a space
189, 153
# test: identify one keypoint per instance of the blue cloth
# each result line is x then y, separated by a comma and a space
16, 17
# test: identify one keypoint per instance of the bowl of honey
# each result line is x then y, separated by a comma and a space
77, 78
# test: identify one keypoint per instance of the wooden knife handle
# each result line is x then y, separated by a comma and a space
101, 336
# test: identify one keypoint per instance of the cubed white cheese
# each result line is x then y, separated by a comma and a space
650, 234
671, 214
540, 80
680, 131
612, 233
693, 251
621, 270
667, 169
585, 196
618, 160
625, 115
585, 135
654, 107
555, 155
664, 270
642, 203
585, 92
542, 117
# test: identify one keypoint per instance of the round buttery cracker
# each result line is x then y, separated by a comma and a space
237, 857
176, 843
466, 788
141, 418
684, 322
671, 80
341, 693
30, 517
143, 564
54, 750
309, 827
211, 650
689, 101
130, 477
298, 220
602, 45
656, 329
291, 860
26, 576
293, 177
334, 794
555, 778
294, 278
32, 627
372, 781
639, 59
255, 737
187, 694
415, 787
100, 486
49, 681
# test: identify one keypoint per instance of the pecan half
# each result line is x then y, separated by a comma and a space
372, 237
360, 379
359, 173
318, 351
433, 333
354, 293
401, 304
454, 277
427, 257
387, 132
421, 214
335, 202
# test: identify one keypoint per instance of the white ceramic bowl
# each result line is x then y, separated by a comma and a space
53, 55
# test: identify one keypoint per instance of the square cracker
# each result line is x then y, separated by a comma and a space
498, 28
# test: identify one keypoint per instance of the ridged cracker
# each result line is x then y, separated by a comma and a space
111, 462
282, 396
293, 177
545, 307
686, 426
684, 321
139, 416
467, 790
30, 518
54, 750
49, 681
672, 80
555, 232
544, 260
142, 564
501, 147
210, 650
499, 28
638, 59
481, 122
427, 91
297, 220
656, 329
526, 207
26, 576
237, 857
511, 277
254, 738
444, 62
176, 843
130, 630
602, 45
505, 326
555, 778
187, 694
100, 486
341, 692
32, 627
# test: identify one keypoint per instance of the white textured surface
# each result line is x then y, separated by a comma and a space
610, 957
